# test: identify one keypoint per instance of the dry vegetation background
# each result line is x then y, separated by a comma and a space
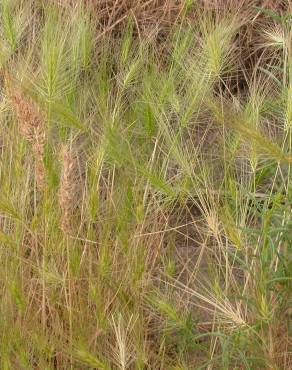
145, 184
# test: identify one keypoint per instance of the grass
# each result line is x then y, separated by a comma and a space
145, 204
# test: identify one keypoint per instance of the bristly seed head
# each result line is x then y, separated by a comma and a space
32, 128
68, 188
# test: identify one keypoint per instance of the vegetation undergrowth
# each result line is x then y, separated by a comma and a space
145, 176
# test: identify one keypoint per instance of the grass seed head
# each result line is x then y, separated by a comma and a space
32, 128
69, 186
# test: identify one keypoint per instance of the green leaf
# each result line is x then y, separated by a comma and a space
90, 360
8, 209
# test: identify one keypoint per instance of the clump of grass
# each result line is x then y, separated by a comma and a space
160, 233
